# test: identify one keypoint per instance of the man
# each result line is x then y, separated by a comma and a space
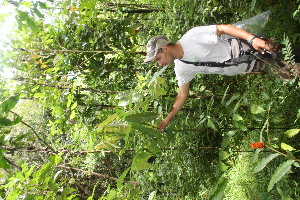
200, 44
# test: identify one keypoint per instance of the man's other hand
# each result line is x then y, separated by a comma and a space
162, 125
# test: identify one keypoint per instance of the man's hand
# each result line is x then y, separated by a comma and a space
182, 95
163, 124
257, 43
261, 45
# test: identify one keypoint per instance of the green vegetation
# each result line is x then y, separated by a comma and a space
78, 120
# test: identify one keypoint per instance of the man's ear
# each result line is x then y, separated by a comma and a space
165, 48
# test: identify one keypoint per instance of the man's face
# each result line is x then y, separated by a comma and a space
164, 58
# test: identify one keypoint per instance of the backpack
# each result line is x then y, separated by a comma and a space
241, 52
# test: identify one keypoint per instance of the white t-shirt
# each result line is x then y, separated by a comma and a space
201, 44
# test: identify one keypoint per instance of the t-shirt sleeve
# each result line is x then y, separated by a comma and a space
183, 74
204, 34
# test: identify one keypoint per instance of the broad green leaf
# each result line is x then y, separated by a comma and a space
157, 74
292, 132
74, 106
38, 13
223, 167
108, 120
223, 155
225, 142
42, 5
22, 15
233, 98
152, 147
218, 194
73, 114
289, 156
237, 105
140, 161
151, 132
211, 124
240, 125
255, 155
237, 117
257, 117
32, 25
28, 173
231, 133
122, 177
286, 147
264, 162
282, 169
70, 99
141, 117
27, 4
255, 109
8, 122
38, 95
10, 103
3, 162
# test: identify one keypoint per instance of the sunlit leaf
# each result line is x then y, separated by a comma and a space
32, 25
38, 95
74, 105
237, 117
42, 5
73, 8
38, 13
108, 120
10, 103
287, 147
22, 15
35, 56
256, 109
292, 132
156, 75
73, 114
43, 66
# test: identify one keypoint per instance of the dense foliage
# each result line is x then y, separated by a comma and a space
78, 119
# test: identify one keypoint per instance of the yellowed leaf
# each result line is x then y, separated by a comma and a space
25, 62
43, 66
73, 8
35, 56
287, 147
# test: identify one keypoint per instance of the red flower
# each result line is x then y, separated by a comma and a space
257, 145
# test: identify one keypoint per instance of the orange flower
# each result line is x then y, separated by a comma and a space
257, 145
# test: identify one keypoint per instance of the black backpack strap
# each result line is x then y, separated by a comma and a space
207, 64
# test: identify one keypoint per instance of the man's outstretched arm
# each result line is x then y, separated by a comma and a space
182, 95
233, 31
